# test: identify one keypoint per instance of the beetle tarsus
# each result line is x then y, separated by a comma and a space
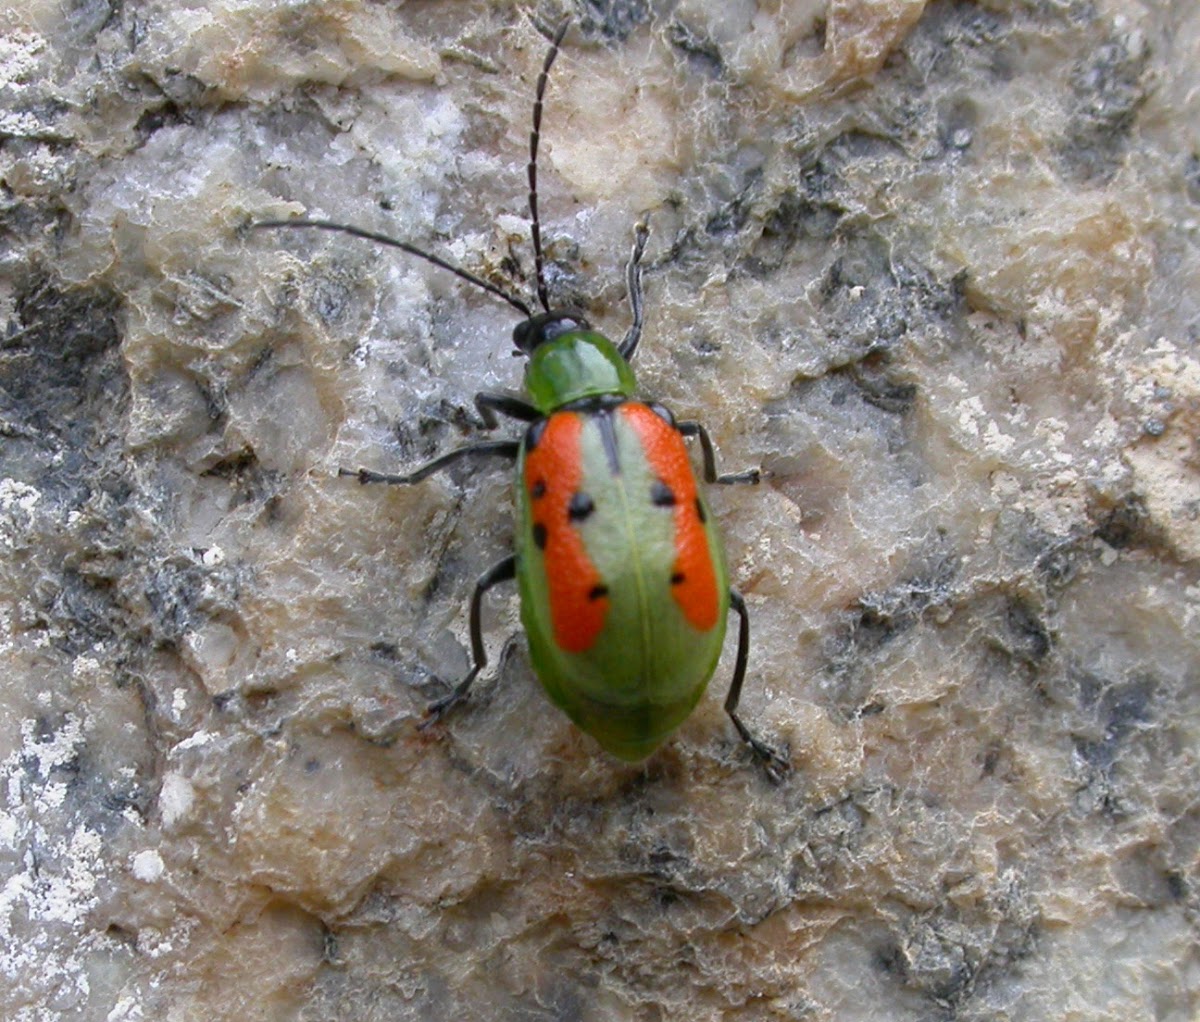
752, 476
435, 711
365, 475
775, 765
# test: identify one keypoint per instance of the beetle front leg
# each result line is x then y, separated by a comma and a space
502, 571
697, 429
633, 284
488, 403
775, 766
497, 448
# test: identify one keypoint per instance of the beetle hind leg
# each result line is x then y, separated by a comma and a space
501, 571
774, 765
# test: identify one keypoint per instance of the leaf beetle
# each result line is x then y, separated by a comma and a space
624, 591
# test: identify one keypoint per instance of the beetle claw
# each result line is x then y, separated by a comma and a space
437, 710
774, 765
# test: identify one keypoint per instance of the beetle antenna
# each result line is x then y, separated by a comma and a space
534, 138
404, 246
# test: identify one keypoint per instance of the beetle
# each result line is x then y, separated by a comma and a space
623, 586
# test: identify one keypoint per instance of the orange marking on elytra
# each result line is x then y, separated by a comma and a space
553, 471
696, 590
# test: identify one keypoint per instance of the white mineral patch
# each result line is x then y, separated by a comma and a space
147, 866
176, 799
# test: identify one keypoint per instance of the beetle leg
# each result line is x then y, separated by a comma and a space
710, 459
515, 407
633, 283
773, 763
501, 571
501, 448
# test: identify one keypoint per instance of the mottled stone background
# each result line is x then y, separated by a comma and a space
933, 265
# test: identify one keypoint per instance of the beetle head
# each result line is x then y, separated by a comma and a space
530, 333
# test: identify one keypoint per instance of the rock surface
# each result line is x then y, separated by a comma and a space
934, 266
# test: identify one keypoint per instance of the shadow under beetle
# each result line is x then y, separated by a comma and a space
624, 589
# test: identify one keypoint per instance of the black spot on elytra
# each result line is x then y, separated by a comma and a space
598, 592
580, 506
661, 494
700, 511
677, 578
539, 535
538, 490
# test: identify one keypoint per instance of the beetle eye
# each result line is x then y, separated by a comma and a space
521, 338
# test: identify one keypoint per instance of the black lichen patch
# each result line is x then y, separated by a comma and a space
702, 51
1112, 712
167, 114
612, 20
249, 481
949, 956
878, 618
79, 610
1050, 559
794, 217
63, 395
879, 385
1124, 524
1026, 636
1107, 90
871, 299
436, 426
60, 362
180, 593
800, 219
732, 215
953, 39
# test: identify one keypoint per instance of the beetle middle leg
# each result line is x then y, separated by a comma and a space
773, 763
496, 448
488, 405
501, 571
696, 429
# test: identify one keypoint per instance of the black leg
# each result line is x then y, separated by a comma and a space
775, 765
498, 448
633, 281
502, 571
710, 458
515, 407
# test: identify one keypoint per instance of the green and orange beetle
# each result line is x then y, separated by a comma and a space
624, 590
